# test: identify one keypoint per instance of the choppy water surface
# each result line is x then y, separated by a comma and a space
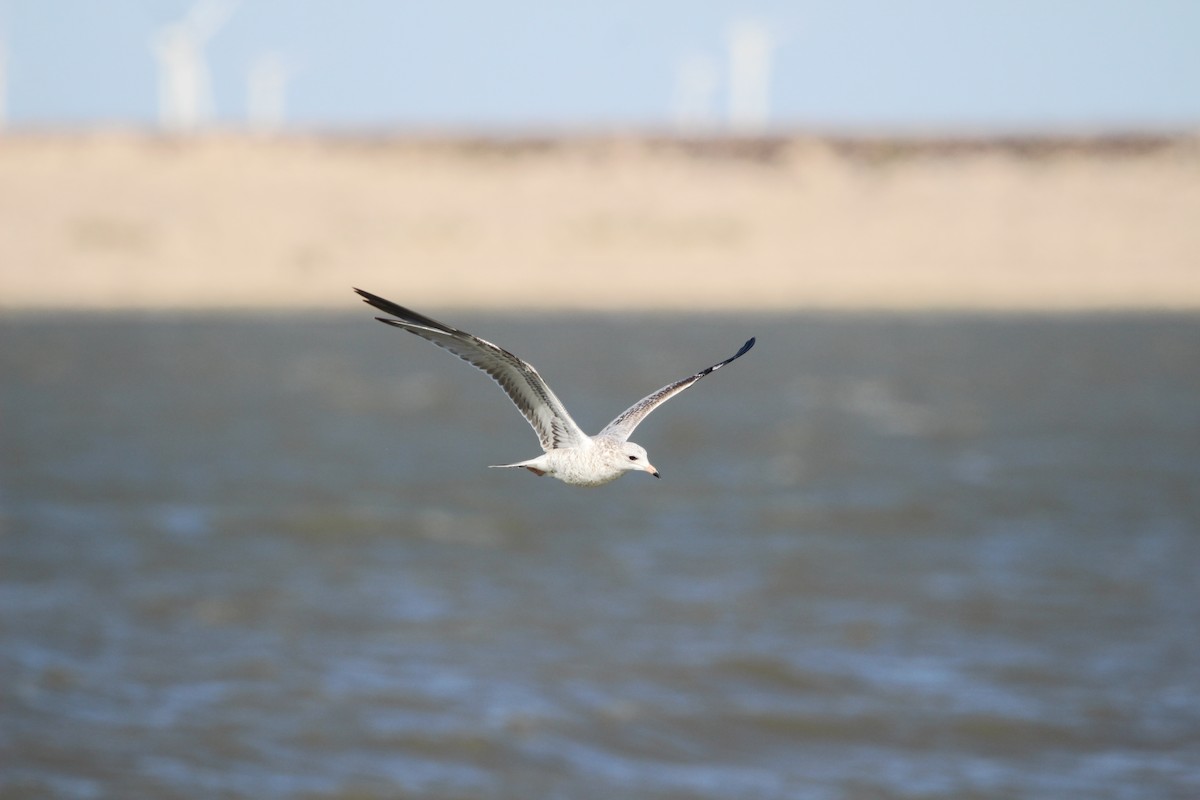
889, 558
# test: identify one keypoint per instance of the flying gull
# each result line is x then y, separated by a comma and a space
570, 454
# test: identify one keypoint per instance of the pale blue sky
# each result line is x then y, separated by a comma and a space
858, 65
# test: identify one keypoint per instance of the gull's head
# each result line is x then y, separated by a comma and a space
633, 456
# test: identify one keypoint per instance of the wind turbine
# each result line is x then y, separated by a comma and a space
750, 46
185, 100
266, 92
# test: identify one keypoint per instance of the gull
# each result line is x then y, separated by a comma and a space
570, 455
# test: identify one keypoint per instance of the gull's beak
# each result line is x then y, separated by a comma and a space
650, 468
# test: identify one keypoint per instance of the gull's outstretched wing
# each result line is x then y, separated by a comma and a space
622, 427
519, 380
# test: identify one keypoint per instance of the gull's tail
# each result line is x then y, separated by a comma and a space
535, 465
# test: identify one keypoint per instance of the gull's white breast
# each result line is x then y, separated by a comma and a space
594, 465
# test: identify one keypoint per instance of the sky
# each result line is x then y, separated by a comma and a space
974, 66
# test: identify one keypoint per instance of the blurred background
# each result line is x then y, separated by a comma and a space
626, 155
936, 536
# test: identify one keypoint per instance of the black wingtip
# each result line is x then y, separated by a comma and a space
370, 299
406, 315
379, 304
749, 343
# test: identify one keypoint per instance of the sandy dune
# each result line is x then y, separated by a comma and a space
122, 220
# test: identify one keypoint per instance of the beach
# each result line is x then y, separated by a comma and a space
123, 220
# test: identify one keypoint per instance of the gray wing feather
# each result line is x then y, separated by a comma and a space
622, 427
520, 381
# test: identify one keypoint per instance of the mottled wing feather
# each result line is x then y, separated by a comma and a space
520, 381
622, 427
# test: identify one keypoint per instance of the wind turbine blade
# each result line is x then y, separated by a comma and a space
207, 17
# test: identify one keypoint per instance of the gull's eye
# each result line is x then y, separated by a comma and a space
633, 458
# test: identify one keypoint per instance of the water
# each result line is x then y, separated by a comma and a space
952, 557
